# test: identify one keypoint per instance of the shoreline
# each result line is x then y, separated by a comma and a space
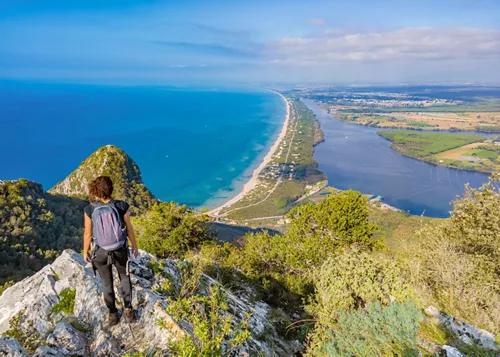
252, 182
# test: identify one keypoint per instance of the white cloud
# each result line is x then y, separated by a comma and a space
407, 44
317, 21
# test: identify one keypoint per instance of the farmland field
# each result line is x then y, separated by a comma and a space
419, 144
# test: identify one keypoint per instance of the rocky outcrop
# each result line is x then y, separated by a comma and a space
85, 332
10, 347
115, 163
467, 334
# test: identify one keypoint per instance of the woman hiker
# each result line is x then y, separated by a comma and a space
107, 224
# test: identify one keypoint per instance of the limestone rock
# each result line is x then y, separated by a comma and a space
452, 351
86, 333
468, 334
11, 347
68, 340
47, 351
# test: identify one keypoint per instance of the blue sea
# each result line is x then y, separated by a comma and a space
197, 146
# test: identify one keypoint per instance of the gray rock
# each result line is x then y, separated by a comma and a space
468, 334
68, 339
105, 344
47, 351
10, 347
35, 296
452, 351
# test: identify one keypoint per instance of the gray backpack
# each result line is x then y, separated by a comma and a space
108, 228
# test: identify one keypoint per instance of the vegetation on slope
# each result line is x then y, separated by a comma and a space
334, 259
34, 227
113, 162
328, 278
169, 230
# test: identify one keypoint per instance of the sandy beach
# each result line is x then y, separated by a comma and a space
252, 183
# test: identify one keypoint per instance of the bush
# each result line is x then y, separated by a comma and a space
213, 333
456, 263
316, 232
354, 279
168, 230
67, 302
27, 336
5, 286
377, 331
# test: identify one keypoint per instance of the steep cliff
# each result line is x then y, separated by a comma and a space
32, 321
115, 163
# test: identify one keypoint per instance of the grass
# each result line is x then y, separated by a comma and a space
396, 227
483, 154
421, 145
418, 124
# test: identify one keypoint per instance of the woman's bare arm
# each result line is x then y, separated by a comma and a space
87, 237
131, 234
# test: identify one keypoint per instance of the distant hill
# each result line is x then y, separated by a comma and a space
115, 163
36, 225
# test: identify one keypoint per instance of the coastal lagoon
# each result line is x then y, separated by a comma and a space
197, 146
355, 157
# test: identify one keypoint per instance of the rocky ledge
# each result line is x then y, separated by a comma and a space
28, 316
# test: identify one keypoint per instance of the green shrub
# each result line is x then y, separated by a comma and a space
5, 286
67, 302
316, 232
456, 263
28, 338
352, 280
213, 333
377, 331
168, 230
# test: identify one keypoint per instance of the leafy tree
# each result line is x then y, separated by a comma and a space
339, 220
170, 230
284, 264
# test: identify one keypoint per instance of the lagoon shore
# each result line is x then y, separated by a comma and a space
252, 183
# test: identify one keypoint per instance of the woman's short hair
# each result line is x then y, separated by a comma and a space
100, 188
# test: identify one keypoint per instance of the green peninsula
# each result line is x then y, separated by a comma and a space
460, 151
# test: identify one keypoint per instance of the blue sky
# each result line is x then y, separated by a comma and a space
250, 41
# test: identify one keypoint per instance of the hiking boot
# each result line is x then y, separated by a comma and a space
112, 318
128, 315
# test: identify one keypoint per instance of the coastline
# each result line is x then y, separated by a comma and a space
252, 182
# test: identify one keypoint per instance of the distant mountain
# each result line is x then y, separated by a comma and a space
115, 163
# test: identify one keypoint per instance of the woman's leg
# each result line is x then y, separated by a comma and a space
121, 262
106, 274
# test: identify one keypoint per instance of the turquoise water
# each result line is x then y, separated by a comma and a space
195, 146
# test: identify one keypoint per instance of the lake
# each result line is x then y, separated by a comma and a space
355, 157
